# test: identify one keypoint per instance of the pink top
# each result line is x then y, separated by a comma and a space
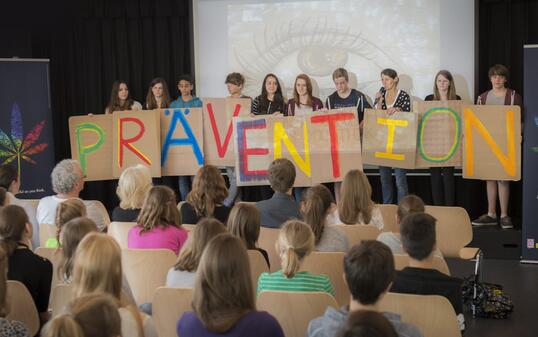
170, 237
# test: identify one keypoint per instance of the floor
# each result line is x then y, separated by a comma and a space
520, 281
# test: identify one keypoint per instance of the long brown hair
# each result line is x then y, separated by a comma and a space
208, 190
244, 222
223, 290
73, 232
13, 220
67, 210
4, 309
356, 198
114, 103
295, 241
296, 96
205, 230
93, 315
451, 94
159, 209
151, 102
316, 202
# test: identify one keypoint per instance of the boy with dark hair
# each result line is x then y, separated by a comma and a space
282, 206
499, 94
421, 278
368, 271
185, 100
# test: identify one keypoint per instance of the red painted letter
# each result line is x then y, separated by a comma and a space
221, 147
127, 142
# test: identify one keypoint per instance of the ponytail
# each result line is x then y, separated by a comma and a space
62, 326
317, 201
295, 241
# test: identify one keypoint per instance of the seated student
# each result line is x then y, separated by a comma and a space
418, 239
408, 205
315, 206
3, 196
367, 323
294, 243
356, 205
368, 271
9, 180
223, 300
67, 181
183, 273
159, 222
244, 222
282, 206
24, 266
207, 197
133, 186
67, 210
120, 99
8, 328
73, 232
185, 100
94, 315
98, 269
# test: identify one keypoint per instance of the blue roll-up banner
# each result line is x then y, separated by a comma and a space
530, 155
26, 138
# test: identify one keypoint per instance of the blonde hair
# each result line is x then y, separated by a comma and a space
295, 241
73, 232
98, 269
223, 290
244, 222
133, 186
159, 209
356, 198
205, 230
4, 309
94, 315
67, 210
317, 201
208, 190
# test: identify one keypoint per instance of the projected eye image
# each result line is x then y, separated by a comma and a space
289, 38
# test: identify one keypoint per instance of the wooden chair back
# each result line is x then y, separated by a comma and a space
402, 260
120, 231
146, 270
54, 255
358, 233
30, 206
294, 310
332, 265
432, 314
22, 307
60, 295
169, 304
188, 227
453, 229
258, 265
388, 211
267, 240
46, 231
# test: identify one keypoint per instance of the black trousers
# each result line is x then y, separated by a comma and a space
443, 190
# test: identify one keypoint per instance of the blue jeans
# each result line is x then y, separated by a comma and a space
184, 186
387, 187
232, 191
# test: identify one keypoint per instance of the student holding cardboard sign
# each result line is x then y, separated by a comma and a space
271, 101
393, 100
498, 95
158, 96
442, 178
120, 99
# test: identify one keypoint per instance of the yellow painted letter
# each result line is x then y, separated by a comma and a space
280, 136
391, 124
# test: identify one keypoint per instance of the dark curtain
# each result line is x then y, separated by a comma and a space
92, 43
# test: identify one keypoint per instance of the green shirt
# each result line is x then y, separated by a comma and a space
302, 281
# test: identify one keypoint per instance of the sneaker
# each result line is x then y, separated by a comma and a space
506, 222
485, 220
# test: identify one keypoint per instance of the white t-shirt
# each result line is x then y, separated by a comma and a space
180, 278
46, 211
376, 220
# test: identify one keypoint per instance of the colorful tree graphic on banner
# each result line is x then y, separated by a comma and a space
15, 147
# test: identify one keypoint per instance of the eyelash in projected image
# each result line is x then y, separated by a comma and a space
319, 46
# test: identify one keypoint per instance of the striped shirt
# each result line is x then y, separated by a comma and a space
302, 281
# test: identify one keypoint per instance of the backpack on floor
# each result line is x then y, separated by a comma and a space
485, 300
